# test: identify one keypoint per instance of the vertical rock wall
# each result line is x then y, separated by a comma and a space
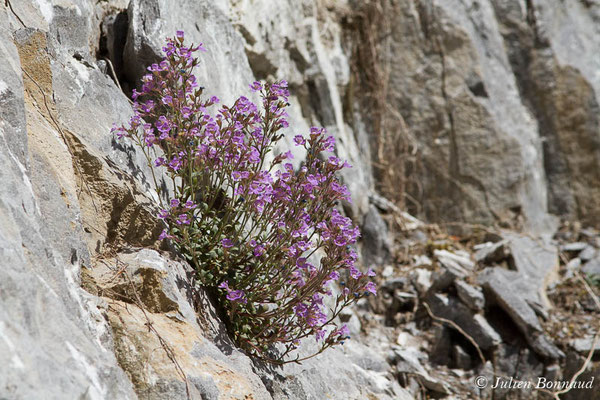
502, 98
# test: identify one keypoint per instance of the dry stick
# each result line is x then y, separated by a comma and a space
168, 350
594, 342
588, 359
470, 339
577, 374
114, 74
64, 138
588, 289
138, 302
581, 370
7, 3
117, 273
458, 328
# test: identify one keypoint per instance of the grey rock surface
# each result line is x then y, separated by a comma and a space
574, 247
143, 287
471, 296
588, 253
460, 69
378, 243
474, 324
592, 267
536, 261
46, 320
489, 252
506, 289
410, 361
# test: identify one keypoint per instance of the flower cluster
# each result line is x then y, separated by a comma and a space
265, 238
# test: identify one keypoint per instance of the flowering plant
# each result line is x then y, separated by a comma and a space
265, 239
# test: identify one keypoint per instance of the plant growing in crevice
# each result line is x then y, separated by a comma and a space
370, 28
265, 239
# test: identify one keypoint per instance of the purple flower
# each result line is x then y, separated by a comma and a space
254, 156
256, 86
190, 205
183, 219
148, 106
236, 176
320, 334
370, 287
258, 250
120, 132
301, 310
355, 273
163, 125
167, 100
280, 207
175, 163
334, 161
165, 235
237, 296
316, 317
163, 214
343, 332
340, 241
233, 295
186, 111
299, 140
329, 144
316, 132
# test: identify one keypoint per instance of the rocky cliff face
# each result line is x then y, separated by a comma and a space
502, 100
498, 100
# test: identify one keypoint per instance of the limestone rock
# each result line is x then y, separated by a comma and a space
592, 267
574, 247
377, 246
584, 345
471, 296
588, 253
410, 362
474, 324
536, 260
489, 252
506, 289
165, 346
47, 321
463, 106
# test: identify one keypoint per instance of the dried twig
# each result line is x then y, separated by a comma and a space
9, 5
581, 370
114, 74
168, 350
458, 328
64, 137
588, 289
